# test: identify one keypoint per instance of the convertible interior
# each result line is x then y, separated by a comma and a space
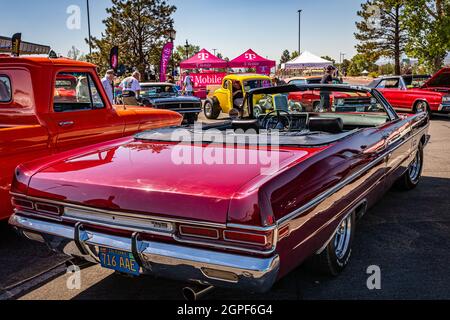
294, 128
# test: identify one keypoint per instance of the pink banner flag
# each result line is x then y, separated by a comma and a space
165, 59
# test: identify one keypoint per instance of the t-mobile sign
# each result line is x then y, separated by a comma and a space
202, 80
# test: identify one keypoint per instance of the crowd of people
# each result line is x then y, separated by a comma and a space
128, 90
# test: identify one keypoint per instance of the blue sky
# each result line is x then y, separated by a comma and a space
231, 26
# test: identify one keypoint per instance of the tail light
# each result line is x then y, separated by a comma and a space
22, 203
48, 208
41, 207
241, 238
197, 232
245, 238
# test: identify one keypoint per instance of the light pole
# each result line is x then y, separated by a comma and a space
300, 32
89, 27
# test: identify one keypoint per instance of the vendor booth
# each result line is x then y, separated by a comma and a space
251, 60
307, 63
203, 67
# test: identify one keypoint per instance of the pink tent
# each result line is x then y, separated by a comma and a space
250, 59
203, 59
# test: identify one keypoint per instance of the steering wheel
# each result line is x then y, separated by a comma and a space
270, 124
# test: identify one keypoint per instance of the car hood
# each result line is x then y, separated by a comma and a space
174, 99
147, 178
439, 80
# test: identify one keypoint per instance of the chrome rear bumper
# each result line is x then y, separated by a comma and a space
155, 258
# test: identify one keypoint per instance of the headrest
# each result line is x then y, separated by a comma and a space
329, 125
245, 124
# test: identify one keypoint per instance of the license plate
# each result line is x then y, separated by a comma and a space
120, 261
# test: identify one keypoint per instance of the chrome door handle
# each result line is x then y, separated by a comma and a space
66, 123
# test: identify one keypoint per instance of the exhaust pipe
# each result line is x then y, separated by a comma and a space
195, 294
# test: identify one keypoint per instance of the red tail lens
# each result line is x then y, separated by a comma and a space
48, 208
246, 238
199, 232
21, 203
233, 238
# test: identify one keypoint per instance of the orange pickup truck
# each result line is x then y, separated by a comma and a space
49, 106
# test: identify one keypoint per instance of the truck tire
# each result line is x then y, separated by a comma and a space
212, 109
335, 257
410, 180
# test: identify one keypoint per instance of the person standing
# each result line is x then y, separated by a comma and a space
108, 85
188, 85
131, 89
328, 76
325, 100
170, 79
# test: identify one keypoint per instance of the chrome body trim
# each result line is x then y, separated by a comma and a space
295, 214
228, 247
161, 259
122, 214
36, 215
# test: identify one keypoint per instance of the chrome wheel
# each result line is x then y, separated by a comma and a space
421, 107
208, 108
343, 238
415, 168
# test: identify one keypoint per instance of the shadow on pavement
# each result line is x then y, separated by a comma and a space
21, 259
406, 235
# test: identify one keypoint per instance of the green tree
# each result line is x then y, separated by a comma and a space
386, 69
359, 63
381, 32
329, 59
285, 57
180, 52
140, 28
294, 55
344, 66
428, 23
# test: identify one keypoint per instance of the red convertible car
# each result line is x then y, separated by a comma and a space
417, 93
180, 203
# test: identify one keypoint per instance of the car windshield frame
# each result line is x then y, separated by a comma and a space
261, 83
287, 89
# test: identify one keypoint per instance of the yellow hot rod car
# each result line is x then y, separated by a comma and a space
230, 95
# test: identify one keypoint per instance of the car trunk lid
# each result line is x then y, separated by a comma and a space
145, 178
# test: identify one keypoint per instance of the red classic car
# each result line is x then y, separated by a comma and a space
217, 206
313, 100
49, 106
65, 88
417, 93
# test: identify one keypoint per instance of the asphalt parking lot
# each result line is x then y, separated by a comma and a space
407, 235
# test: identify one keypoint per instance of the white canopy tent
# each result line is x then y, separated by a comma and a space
306, 60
